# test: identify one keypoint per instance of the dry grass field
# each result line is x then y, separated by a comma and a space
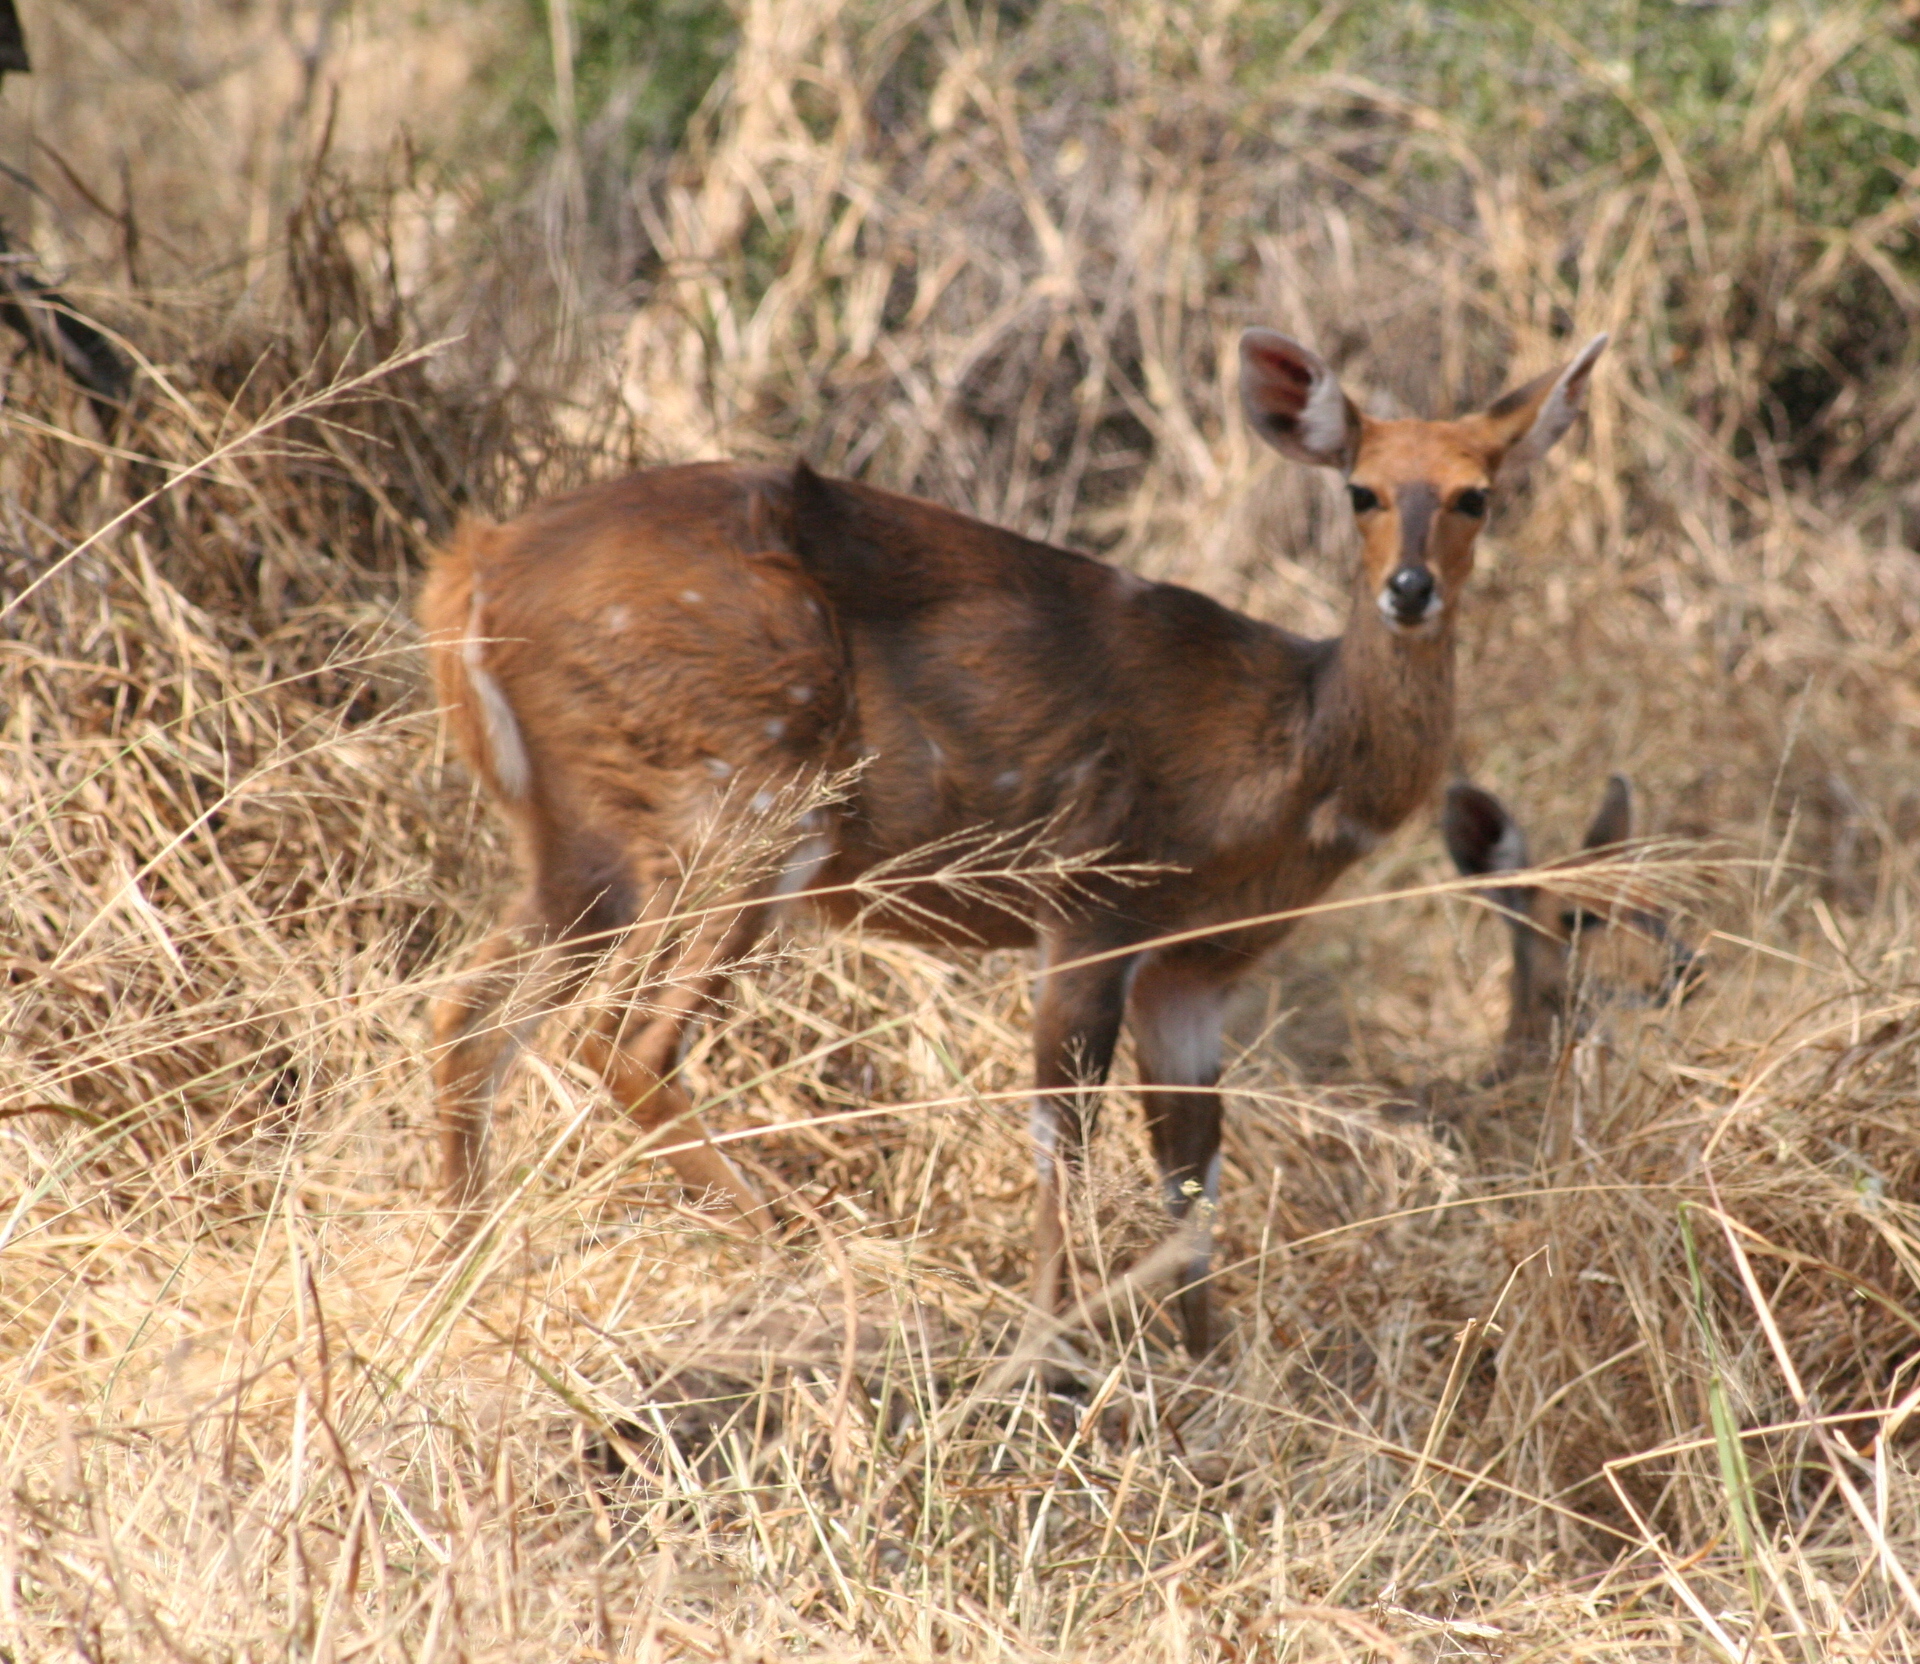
1620, 1362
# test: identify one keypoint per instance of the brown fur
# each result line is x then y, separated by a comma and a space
662, 639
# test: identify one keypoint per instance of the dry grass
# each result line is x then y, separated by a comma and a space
1621, 1366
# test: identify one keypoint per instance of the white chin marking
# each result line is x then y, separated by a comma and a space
1425, 622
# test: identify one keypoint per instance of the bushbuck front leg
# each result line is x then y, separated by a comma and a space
1174, 1011
1076, 1024
634, 1043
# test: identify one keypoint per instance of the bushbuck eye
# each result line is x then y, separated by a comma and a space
1472, 503
1583, 918
1362, 498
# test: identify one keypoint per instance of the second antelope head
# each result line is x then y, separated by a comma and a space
1570, 958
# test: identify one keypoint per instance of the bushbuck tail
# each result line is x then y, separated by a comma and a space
620, 663
1571, 960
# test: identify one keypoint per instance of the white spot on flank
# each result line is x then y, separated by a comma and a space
692, 597
506, 753
776, 726
617, 618
1075, 778
933, 750
803, 866
719, 768
1007, 779
762, 802
800, 693
1328, 828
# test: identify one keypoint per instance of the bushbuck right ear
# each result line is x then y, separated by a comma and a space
1482, 837
1613, 821
1294, 401
1526, 423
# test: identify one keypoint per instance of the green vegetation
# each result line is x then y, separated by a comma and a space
640, 68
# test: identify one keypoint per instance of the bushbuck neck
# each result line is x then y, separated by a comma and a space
1382, 724
625, 664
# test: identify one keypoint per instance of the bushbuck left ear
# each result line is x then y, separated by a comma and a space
1294, 401
1527, 422
1482, 837
1613, 822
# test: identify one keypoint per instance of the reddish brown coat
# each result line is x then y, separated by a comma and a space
618, 662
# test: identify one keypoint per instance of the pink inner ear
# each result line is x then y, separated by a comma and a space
1294, 378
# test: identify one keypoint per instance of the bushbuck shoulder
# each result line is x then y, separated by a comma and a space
1571, 960
613, 659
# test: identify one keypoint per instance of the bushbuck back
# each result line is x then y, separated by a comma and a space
614, 660
1570, 959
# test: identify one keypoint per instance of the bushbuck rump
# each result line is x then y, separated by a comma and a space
614, 658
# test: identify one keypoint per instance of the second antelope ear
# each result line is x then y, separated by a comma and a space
1529, 421
1295, 403
1613, 822
1482, 837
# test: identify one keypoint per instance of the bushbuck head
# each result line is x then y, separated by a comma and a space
1570, 959
1420, 490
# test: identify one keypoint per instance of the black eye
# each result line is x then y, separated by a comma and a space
1471, 503
1363, 500
1573, 921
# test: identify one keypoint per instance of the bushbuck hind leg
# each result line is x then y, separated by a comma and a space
1078, 1009
1174, 1013
634, 1043
536, 960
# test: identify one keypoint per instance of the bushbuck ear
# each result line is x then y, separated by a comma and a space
1613, 822
1294, 401
1482, 837
1527, 422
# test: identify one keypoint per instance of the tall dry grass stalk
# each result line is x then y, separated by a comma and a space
1618, 1364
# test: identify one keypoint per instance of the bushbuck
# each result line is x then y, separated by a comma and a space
1570, 958
617, 661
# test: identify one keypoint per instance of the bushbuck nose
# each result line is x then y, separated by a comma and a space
1411, 590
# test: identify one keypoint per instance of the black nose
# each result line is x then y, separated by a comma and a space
1412, 589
